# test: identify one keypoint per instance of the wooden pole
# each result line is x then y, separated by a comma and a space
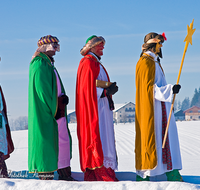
188, 40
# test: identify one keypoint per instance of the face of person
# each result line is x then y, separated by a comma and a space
56, 46
158, 46
98, 50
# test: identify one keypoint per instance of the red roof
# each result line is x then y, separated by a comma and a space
193, 108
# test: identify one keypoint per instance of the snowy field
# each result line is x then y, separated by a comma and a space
189, 136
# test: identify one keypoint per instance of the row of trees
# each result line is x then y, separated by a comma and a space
186, 103
21, 123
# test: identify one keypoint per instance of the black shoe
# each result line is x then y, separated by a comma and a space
66, 178
65, 174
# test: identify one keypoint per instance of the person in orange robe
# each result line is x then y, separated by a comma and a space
153, 102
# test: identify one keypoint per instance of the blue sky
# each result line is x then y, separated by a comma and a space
123, 24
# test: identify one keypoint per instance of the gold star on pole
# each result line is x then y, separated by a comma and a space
190, 31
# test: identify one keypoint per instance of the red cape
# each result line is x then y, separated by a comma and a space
90, 147
8, 134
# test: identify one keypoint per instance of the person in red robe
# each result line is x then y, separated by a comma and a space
6, 143
94, 105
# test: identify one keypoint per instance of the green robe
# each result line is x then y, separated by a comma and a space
42, 108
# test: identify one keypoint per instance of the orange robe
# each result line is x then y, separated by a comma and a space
145, 143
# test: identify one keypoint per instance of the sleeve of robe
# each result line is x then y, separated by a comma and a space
163, 93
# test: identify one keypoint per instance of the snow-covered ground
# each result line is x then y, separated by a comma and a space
189, 136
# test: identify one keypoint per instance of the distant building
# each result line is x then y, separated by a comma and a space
179, 115
71, 116
124, 113
192, 113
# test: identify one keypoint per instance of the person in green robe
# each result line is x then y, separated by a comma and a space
49, 139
